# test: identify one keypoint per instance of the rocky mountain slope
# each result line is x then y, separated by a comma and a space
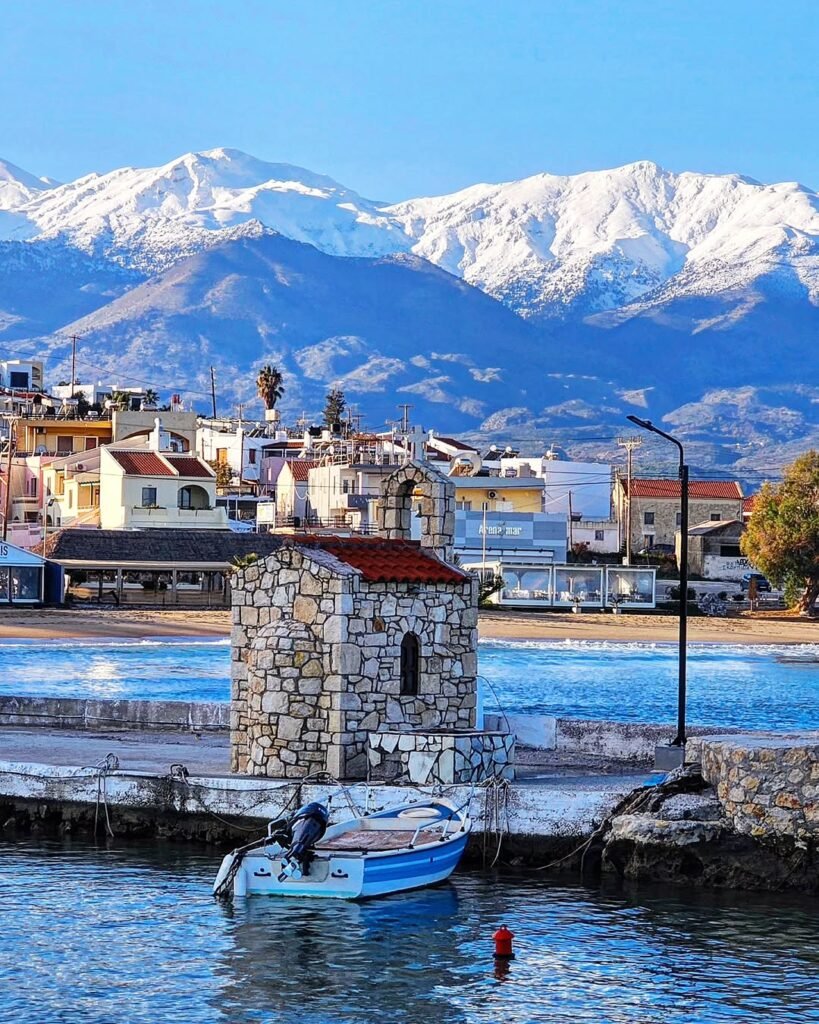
584, 295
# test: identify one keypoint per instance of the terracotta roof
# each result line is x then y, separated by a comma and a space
697, 489
141, 463
300, 468
748, 504
189, 465
387, 561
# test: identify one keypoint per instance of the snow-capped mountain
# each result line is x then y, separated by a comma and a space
151, 217
548, 246
17, 186
633, 287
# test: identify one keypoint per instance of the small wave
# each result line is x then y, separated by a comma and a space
71, 643
803, 653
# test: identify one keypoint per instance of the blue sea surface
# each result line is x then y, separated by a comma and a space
130, 934
764, 686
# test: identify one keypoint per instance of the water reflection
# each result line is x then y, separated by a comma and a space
130, 935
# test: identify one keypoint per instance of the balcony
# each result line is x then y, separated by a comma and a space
144, 517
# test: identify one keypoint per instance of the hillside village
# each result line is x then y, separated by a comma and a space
142, 501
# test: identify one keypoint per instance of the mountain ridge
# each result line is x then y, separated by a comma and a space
639, 288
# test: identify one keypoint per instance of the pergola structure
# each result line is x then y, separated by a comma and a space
158, 567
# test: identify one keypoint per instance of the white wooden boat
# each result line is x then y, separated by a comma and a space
405, 847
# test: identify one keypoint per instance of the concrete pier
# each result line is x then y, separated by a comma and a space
50, 781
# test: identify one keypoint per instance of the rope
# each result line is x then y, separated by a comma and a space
495, 816
103, 768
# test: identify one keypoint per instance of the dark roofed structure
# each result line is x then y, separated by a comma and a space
142, 547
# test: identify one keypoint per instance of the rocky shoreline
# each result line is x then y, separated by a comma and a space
752, 825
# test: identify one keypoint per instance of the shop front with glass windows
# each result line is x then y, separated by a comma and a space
21, 575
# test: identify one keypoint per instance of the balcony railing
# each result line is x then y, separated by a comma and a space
176, 516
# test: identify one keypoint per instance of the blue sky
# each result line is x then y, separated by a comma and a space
400, 99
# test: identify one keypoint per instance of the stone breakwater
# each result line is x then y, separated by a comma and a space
749, 820
767, 786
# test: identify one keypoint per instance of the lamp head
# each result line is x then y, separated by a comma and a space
645, 424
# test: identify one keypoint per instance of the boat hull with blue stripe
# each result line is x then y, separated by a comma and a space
394, 850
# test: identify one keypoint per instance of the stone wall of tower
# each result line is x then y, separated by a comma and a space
316, 654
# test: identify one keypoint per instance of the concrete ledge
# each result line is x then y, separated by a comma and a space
82, 713
620, 741
557, 809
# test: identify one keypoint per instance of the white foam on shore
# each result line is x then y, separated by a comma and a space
796, 652
62, 643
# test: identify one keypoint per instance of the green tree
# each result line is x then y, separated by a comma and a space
83, 405
223, 474
239, 562
334, 408
151, 397
782, 538
270, 385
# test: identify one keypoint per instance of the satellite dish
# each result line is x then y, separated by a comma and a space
41, 449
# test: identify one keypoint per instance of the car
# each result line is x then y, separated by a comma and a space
761, 582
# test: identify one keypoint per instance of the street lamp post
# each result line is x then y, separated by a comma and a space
679, 739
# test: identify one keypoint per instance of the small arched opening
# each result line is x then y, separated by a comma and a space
410, 665
193, 497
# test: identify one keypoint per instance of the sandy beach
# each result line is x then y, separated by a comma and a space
759, 628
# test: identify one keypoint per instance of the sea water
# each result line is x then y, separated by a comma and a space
754, 687
130, 934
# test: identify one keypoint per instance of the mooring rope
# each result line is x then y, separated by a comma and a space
104, 767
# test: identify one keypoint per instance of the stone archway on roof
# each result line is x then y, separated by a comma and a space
399, 493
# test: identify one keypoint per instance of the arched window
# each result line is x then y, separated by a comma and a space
410, 665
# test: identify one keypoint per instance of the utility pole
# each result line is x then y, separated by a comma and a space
629, 443
405, 411
74, 340
213, 390
571, 526
7, 505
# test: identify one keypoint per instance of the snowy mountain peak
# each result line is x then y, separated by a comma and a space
553, 245
18, 186
148, 217
549, 246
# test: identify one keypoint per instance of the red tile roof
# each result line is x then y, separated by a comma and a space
189, 465
141, 463
387, 561
300, 468
708, 490
748, 504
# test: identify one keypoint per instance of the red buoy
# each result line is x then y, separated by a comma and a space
503, 943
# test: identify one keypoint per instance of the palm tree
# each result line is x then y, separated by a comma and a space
151, 397
270, 385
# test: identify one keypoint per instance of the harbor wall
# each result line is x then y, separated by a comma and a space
620, 741
91, 713
767, 786
534, 819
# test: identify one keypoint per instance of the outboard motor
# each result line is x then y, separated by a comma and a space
307, 826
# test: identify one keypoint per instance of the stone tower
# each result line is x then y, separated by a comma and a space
437, 507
